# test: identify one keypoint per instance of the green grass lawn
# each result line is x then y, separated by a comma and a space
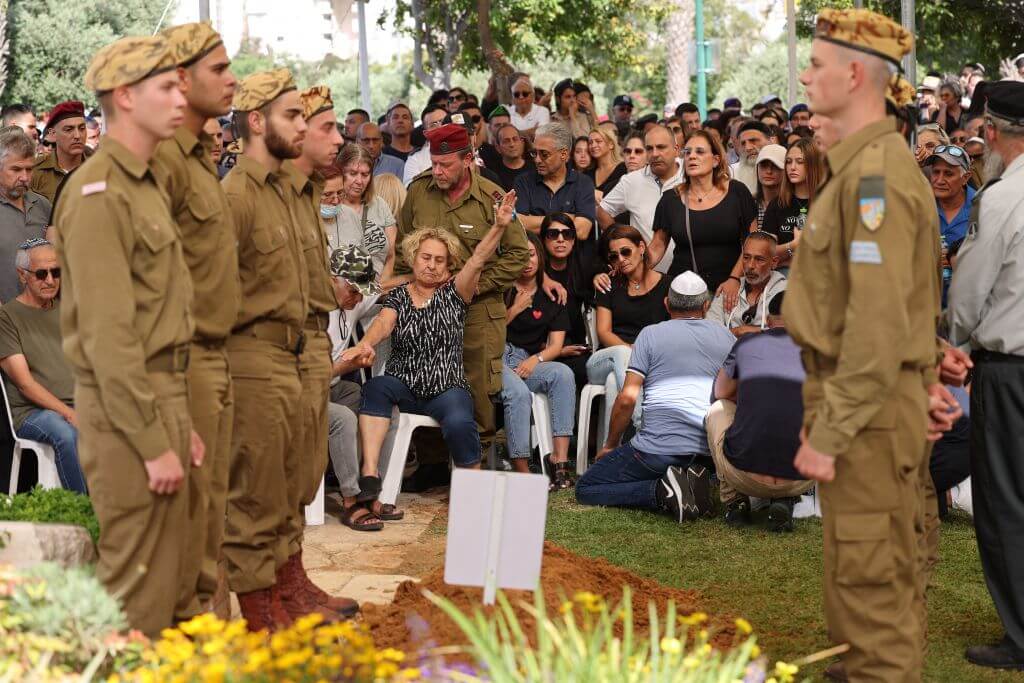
774, 580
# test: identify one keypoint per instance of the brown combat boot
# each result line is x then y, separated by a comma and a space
297, 601
346, 608
260, 611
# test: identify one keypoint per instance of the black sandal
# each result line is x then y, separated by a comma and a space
369, 489
561, 476
366, 522
387, 512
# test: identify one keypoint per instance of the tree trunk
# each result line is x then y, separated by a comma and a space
679, 37
500, 68
5, 47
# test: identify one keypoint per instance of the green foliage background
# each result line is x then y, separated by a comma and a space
51, 505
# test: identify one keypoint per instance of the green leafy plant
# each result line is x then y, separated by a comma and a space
58, 506
589, 641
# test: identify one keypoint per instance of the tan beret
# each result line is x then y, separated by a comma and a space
127, 61
261, 88
191, 42
901, 92
866, 31
316, 100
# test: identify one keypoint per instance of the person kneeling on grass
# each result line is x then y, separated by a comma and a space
675, 363
425, 320
754, 425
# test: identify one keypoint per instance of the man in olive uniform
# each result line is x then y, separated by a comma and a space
67, 121
265, 345
127, 321
184, 170
459, 200
307, 458
871, 237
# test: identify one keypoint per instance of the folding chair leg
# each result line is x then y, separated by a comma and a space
15, 469
396, 465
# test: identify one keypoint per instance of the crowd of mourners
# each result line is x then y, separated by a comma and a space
649, 274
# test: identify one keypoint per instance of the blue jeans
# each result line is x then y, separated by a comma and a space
626, 477
551, 378
608, 366
452, 408
50, 428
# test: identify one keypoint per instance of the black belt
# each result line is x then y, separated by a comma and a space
986, 356
288, 337
173, 359
317, 322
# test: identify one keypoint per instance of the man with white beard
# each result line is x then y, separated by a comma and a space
985, 313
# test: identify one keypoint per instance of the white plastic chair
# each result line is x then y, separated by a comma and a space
46, 457
397, 444
587, 397
315, 510
541, 428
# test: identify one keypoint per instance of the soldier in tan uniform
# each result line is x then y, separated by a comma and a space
307, 459
127, 321
265, 346
67, 121
862, 303
185, 171
457, 199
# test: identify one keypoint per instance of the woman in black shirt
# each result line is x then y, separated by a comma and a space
607, 168
534, 339
721, 214
635, 300
562, 265
785, 216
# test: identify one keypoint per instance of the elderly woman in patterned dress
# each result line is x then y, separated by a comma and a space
425, 320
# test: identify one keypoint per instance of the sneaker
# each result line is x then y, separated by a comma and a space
670, 493
699, 479
780, 515
737, 512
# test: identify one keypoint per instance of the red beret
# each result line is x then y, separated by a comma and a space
66, 110
448, 139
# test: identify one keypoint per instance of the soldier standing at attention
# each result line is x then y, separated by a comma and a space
455, 198
183, 168
871, 237
265, 344
307, 458
67, 121
985, 313
127, 322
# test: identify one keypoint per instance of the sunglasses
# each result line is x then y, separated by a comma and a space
457, 98
522, 95
952, 149
634, 150
476, 118
42, 272
958, 139
543, 154
567, 234
623, 253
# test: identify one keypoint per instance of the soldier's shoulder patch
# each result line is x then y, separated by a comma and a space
94, 188
871, 201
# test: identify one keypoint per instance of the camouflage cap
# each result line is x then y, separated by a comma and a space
355, 266
316, 100
901, 92
128, 61
261, 88
864, 30
191, 42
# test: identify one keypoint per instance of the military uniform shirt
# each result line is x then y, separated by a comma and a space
125, 290
864, 288
986, 298
47, 175
270, 262
304, 197
469, 219
184, 170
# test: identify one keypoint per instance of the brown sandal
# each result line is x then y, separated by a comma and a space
351, 518
387, 511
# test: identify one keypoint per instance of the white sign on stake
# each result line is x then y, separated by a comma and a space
495, 530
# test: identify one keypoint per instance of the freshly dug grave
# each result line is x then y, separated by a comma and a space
411, 622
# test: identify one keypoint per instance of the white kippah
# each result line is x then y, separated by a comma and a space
688, 284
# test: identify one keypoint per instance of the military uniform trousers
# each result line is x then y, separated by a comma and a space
211, 405
309, 456
143, 535
266, 426
483, 345
873, 523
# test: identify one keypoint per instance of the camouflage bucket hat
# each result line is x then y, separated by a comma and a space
355, 266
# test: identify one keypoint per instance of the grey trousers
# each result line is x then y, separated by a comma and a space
343, 436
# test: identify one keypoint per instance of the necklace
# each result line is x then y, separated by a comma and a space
704, 196
636, 285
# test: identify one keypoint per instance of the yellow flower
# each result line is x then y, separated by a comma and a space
671, 646
565, 607
755, 652
409, 674
694, 619
743, 626
691, 662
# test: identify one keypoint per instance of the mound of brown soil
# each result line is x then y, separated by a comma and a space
411, 622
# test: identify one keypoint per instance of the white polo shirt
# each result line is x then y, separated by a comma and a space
537, 116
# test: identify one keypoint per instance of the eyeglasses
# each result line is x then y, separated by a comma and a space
476, 118
553, 234
42, 272
522, 94
959, 139
634, 150
623, 253
543, 154
457, 98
